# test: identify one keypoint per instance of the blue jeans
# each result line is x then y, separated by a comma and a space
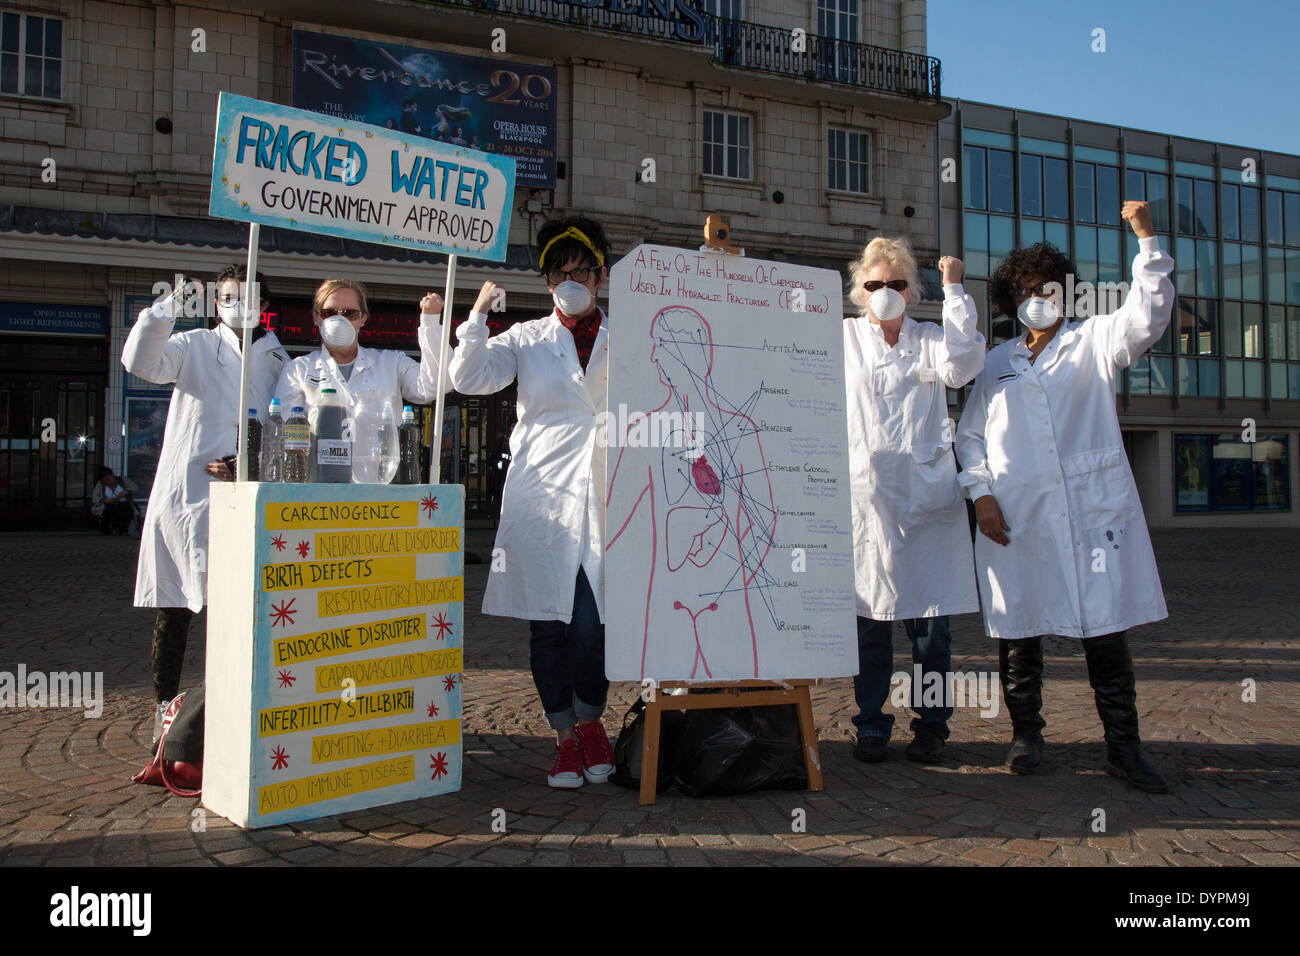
568, 661
931, 648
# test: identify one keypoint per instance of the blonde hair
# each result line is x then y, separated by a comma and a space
883, 251
330, 286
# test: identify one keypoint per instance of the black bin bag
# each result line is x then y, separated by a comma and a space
627, 750
738, 749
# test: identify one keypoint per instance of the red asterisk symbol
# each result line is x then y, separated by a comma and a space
442, 624
429, 503
278, 542
282, 613
279, 759
303, 548
433, 709
438, 765
449, 682
286, 679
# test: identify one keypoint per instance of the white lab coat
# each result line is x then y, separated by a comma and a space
1043, 438
911, 539
553, 504
385, 373
201, 426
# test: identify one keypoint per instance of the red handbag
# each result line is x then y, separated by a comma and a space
181, 778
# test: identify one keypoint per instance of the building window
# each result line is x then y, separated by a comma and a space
989, 179
837, 29
726, 9
1056, 188
849, 160
1152, 373
1154, 189
31, 55
727, 145
1223, 473
838, 19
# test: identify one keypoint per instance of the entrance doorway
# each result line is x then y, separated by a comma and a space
51, 423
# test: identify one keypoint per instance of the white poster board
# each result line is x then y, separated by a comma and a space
729, 547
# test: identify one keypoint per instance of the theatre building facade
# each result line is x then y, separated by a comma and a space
810, 125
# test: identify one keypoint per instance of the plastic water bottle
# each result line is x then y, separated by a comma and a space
331, 440
408, 443
374, 439
297, 446
272, 465
254, 447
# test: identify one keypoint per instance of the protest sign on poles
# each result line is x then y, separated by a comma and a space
278, 166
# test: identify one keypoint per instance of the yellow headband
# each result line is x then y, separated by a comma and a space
576, 233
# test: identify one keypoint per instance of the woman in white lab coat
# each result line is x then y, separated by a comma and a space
911, 537
1064, 547
202, 424
356, 373
552, 531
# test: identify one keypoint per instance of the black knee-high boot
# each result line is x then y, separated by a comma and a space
1110, 672
1020, 667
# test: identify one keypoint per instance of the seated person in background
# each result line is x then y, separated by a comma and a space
111, 502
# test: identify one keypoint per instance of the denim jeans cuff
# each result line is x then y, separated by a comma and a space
562, 719
585, 711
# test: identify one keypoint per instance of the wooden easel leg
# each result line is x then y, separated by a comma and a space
650, 753
812, 760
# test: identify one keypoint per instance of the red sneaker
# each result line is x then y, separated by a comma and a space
597, 754
566, 772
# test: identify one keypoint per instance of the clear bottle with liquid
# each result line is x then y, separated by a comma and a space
408, 443
297, 446
253, 449
374, 439
271, 467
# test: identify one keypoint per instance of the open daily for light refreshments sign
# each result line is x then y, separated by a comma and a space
295, 169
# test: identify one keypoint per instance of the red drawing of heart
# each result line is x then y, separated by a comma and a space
705, 478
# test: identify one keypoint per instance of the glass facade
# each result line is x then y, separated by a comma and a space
1225, 473
1235, 238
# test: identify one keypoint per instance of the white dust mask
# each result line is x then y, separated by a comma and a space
886, 304
572, 298
233, 316
1038, 313
337, 332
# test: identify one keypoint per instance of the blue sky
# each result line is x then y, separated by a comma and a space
1228, 72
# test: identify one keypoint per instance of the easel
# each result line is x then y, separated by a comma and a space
729, 695
717, 239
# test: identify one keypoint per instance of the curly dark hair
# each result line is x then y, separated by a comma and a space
1041, 259
569, 247
239, 273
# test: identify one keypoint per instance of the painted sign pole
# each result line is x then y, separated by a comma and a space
439, 404
252, 301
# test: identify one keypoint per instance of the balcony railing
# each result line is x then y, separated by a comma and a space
739, 43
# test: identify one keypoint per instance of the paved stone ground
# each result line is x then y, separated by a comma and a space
66, 796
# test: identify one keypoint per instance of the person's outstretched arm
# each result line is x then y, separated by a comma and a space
481, 366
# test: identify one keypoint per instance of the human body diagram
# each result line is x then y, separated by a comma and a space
703, 501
